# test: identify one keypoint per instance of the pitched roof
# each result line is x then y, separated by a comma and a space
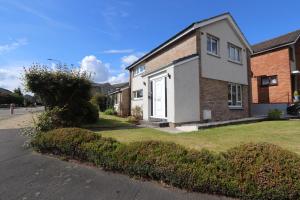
5, 91
192, 27
120, 85
276, 42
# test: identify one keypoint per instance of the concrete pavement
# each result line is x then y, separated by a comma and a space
26, 175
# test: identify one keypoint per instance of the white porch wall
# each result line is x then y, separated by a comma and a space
137, 84
183, 100
170, 94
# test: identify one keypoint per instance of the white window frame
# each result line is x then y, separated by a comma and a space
237, 57
138, 70
209, 43
135, 93
238, 93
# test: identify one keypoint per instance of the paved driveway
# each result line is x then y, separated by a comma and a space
26, 175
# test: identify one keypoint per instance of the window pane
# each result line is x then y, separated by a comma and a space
239, 93
238, 55
273, 80
231, 52
214, 46
265, 81
229, 95
208, 44
139, 93
234, 95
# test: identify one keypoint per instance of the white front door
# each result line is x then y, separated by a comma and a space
159, 104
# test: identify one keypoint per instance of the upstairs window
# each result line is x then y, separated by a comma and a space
212, 45
234, 53
269, 81
138, 94
138, 70
234, 95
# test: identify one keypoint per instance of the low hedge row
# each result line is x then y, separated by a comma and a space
250, 171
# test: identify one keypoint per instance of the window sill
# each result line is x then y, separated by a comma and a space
235, 107
214, 55
235, 62
137, 99
135, 75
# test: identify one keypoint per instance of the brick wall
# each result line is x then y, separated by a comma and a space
183, 47
268, 64
215, 98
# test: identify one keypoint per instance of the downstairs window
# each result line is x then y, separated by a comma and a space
234, 95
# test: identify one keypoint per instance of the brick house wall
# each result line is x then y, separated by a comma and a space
215, 96
267, 64
184, 47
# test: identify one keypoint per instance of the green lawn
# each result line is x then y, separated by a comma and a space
109, 121
283, 133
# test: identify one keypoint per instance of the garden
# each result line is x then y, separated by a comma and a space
249, 161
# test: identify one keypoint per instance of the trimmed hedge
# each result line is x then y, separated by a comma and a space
250, 171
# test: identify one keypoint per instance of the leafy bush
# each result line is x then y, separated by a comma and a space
250, 171
100, 100
110, 111
49, 119
64, 141
274, 114
137, 113
265, 171
67, 90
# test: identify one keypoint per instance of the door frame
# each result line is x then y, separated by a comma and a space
152, 79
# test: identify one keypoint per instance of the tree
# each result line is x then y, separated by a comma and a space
101, 101
18, 91
67, 90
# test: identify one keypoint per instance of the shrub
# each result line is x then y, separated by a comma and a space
137, 113
250, 171
265, 171
110, 111
100, 100
64, 141
274, 114
68, 90
49, 119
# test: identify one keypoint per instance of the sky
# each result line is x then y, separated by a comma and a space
105, 36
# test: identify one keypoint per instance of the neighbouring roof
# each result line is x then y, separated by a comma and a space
277, 42
121, 85
190, 28
5, 91
107, 88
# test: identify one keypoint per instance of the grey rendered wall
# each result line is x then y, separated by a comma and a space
186, 92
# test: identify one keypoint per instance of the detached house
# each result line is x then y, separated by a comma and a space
275, 66
198, 75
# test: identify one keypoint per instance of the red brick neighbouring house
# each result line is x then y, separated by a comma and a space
275, 66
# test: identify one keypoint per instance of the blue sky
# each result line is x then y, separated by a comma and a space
104, 36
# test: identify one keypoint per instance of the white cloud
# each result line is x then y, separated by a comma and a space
129, 59
120, 78
4, 48
10, 78
118, 51
98, 69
